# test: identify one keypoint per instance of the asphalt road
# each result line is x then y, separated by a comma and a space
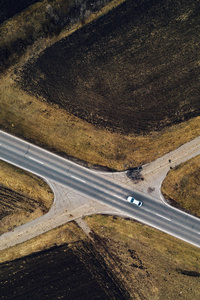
93, 185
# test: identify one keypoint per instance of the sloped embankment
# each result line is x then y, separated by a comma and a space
23, 197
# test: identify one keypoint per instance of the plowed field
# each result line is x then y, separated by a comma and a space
60, 273
135, 69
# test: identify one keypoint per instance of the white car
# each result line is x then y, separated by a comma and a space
134, 201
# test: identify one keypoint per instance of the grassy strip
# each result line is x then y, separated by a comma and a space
181, 186
25, 183
24, 197
151, 262
68, 233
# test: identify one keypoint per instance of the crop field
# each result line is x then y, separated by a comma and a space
133, 70
151, 264
75, 272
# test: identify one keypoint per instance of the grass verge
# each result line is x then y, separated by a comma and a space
24, 197
68, 233
181, 186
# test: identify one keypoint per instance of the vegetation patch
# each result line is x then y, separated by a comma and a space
23, 197
150, 263
181, 186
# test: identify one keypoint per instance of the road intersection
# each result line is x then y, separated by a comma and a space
75, 186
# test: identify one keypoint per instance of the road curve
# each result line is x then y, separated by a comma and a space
96, 186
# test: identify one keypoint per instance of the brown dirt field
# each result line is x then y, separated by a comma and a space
43, 22
181, 186
23, 197
147, 263
63, 272
124, 71
83, 267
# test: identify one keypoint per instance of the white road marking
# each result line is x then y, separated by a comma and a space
198, 232
119, 197
147, 210
78, 179
40, 162
163, 217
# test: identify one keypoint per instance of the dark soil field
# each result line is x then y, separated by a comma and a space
43, 19
135, 69
78, 272
8, 8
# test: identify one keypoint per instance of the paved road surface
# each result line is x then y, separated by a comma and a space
92, 185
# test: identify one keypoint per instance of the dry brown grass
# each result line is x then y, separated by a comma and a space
25, 183
150, 261
24, 197
181, 186
68, 233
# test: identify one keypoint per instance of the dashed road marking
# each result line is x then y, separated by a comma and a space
40, 162
78, 178
147, 210
163, 217
118, 197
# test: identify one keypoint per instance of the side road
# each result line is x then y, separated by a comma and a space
154, 173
